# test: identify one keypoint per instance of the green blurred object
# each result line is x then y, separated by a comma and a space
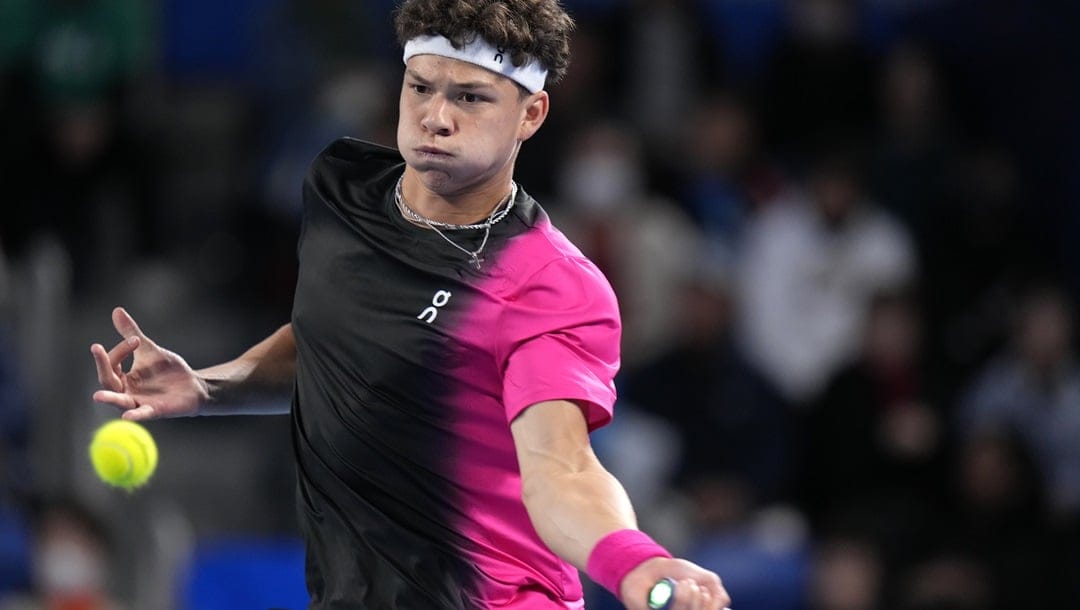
77, 51
661, 593
19, 21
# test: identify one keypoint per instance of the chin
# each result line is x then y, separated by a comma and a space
436, 179
442, 179
439, 182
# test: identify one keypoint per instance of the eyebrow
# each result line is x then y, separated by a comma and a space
466, 85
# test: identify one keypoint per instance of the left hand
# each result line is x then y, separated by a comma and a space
159, 384
695, 587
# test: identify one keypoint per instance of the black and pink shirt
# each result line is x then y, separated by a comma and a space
411, 364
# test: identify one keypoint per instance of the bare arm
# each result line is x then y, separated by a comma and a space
264, 372
573, 502
161, 384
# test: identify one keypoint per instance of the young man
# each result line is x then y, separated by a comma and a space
448, 353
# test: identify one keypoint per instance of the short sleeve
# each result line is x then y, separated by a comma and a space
563, 331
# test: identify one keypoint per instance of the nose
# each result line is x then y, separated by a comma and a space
437, 117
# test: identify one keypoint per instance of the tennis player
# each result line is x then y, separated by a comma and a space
448, 354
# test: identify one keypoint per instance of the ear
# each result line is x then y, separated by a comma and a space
535, 107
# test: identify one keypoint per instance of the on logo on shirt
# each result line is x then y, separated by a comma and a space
431, 312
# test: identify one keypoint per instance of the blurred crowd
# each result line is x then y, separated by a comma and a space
844, 236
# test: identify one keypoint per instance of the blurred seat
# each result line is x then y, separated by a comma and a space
14, 551
245, 573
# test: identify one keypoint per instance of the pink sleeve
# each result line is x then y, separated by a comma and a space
563, 331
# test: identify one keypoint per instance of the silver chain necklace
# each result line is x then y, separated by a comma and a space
497, 214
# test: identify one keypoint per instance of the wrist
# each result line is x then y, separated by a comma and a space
209, 393
617, 554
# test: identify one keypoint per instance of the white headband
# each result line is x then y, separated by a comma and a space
530, 75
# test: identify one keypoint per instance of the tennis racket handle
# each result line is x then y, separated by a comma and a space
662, 595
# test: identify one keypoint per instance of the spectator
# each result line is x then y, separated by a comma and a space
948, 581
71, 561
732, 422
1032, 389
726, 174
809, 266
915, 149
981, 246
820, 79
848, 574
874, 439
587, 92
1000, 522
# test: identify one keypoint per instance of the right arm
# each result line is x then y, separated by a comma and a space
161, 384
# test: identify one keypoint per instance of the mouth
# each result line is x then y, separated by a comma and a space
432, 151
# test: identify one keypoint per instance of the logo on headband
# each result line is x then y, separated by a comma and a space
499, 54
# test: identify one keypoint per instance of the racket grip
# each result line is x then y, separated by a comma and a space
662, 594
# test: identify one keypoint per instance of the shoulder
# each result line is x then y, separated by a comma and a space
355, 157
350, 173
535, 242
542, 261
348, 161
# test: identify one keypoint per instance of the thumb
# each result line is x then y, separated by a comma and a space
126, 326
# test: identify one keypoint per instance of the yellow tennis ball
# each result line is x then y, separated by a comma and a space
123, 454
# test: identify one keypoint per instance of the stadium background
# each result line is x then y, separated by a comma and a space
844, 235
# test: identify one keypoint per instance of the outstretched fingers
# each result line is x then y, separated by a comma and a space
132, 410
123, 349
114, 388
125, 324
140, 413
110, 375
117, 399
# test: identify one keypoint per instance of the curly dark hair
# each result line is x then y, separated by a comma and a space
537, 28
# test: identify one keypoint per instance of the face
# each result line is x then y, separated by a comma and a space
1046, 331
460, 126
836, 193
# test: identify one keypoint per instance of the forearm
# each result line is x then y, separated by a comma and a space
573, 507
258, 382
584, 515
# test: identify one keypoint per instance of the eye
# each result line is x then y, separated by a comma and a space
470, 98
418, 88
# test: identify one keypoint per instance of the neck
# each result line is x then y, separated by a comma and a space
467, 206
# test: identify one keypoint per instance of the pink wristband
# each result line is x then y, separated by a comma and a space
618, 553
